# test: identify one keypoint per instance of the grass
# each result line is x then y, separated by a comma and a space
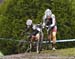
1, 54
61, 52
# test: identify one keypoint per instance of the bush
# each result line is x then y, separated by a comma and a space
13, 16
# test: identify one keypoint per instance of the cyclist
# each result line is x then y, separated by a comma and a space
35, 30
50, 22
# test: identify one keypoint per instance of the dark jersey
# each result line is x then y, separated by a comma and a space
48, 21
34, 29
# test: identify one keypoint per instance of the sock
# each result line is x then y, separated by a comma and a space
53, 45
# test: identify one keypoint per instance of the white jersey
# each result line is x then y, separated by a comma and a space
36, 27
53, 20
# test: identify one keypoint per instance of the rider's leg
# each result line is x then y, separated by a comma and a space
54, 31
53, 39
31, 39
37, 36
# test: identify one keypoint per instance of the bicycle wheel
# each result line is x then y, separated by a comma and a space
39, 43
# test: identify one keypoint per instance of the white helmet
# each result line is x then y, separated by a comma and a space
48, 12
29, 22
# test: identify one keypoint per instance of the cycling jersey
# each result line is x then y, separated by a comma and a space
51, 22
36, 29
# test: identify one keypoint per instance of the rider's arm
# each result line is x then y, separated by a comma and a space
27, 28
53, 20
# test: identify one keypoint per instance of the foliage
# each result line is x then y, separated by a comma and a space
13, 16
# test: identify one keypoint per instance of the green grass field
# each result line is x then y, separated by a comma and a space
61, 52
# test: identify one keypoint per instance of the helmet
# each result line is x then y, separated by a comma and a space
29, 22
48, 12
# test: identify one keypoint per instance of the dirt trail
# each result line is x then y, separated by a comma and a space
36, 56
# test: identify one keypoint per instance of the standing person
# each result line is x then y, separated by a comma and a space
50, 22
